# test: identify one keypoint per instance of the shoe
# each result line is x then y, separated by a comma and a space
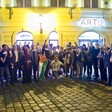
12, 84
107, 84
37, 80
3, 85
8, 85
16, 81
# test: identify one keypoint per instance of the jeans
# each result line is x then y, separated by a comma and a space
4, 71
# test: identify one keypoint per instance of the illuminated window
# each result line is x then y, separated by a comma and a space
57, 3
90, 3
24, 37
53, 38
90, 36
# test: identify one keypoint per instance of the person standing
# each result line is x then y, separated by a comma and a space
110, 65
27, 65
80, 62
95, 60
14, 61
102, 64
35, 61
68, 62
46, 53
89, 57
4, 65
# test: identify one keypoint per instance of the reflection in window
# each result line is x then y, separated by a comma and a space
90, 3
61, 3
57, 3
27, 3
19, 3
23, 3
87, 3
95, 4
53, 3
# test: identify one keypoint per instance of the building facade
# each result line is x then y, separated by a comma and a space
58, 21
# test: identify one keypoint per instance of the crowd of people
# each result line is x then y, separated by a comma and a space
72, 61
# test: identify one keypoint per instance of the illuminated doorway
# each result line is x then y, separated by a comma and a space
90, 36
24, 38
53, 38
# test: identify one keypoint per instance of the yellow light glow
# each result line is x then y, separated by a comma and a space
47, 22
2, 3
32, 22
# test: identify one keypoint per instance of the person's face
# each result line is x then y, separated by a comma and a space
46, 46
80, 49
111, 45
14, 47
5, 48
102, 48
56, 58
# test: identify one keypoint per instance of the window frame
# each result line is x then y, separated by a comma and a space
58, 3
54, 39
23, 3
90, 4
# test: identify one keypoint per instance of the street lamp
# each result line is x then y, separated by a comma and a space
41, 22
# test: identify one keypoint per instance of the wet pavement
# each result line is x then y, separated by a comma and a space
65, 95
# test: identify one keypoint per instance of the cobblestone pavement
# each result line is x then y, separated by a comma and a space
56, 96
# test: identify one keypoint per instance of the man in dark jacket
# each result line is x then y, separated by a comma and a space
110, 65
4, 64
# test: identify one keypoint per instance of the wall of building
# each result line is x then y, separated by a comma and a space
67, 24
27, 19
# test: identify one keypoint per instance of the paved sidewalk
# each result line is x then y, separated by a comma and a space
56, 96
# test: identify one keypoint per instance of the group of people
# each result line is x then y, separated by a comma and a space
73, 61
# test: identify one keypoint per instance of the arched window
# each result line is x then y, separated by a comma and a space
53, 38
24, 37
90, 36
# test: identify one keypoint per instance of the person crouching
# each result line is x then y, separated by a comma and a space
56, 67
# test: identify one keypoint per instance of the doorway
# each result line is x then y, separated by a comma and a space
90, 36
